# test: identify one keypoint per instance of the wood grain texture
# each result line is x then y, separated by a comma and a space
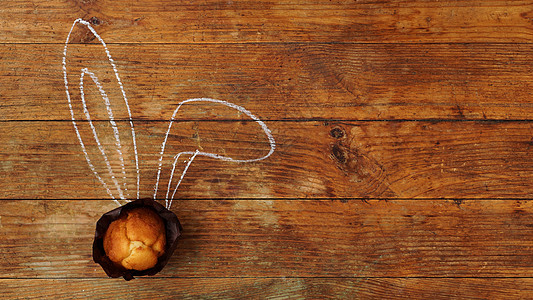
287, 81
287, 238
403, 167
312, 159
214, 21
270, 288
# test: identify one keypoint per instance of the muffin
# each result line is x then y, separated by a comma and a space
136, 240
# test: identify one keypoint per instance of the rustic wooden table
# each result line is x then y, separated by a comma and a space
403, 165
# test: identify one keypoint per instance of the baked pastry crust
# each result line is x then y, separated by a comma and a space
136, 240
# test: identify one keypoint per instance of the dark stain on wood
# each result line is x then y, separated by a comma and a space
340, 154
95, 21
337, 132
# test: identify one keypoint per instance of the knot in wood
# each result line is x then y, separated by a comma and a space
337, 132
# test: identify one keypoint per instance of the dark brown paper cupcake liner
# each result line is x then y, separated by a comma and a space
173, 231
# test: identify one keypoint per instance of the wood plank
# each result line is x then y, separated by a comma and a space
271, 288
312, 159
287, 238
361, 82
213, 21
403, 134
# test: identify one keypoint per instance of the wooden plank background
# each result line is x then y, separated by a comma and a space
403, 166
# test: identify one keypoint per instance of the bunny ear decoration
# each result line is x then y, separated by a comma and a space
97, 100
172, 186
95, 92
